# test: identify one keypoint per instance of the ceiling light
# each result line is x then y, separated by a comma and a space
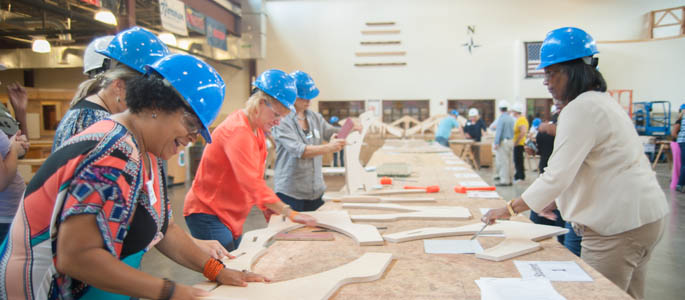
106, 16
40, 45
168, 38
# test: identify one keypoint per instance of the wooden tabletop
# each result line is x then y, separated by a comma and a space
415, 274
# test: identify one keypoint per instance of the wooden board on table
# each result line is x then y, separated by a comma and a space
369, 267
304, 236
509, 248
511, 229
409, 212
378, 199
396, 169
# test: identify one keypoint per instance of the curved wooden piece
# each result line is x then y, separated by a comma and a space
511, 229
254, 242
375, 199
410, 212
509, 248
368, 267
356, 177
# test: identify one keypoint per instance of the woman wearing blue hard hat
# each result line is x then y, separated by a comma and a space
600, 180
111, 62
91, 211
300, 146
230, 178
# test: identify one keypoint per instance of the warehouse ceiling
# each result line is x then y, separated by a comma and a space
61, 22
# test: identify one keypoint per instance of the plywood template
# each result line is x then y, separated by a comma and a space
409, 212
511, 229
377, 199
368, 267
254, 242
521, 237
509, 248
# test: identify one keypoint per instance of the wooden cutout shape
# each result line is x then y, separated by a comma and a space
368, 267
254, 242
509, 248
357, 179
521, 237
378, 199
511, 229
410, 212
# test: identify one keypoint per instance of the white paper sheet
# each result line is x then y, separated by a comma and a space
473, 183
452, 246
465, 175
552, 270
454, 162
482, 194
517, 289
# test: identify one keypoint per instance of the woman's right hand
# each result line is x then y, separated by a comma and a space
305, 219
233, 277
183, 292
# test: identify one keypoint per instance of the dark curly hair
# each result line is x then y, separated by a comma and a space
150, 92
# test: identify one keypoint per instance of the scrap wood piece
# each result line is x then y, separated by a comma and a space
254, 242
375, 199
511, 229
368, 267
410, 212
509, 248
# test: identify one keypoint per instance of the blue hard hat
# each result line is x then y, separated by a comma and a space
135, 47
682, 106
454, 112
278, 84
201, 86
537, 122
564, 44
306, 89
334, 120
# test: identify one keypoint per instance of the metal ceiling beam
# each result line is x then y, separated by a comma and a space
48, 32
67, 13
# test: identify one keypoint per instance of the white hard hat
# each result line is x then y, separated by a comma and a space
473, 112
93, 60
517, 107
503, 104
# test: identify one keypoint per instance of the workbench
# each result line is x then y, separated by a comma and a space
414, 274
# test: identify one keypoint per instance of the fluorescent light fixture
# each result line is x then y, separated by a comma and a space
106, 16
168, 38
40, 45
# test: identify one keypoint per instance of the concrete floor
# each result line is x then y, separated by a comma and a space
665, 267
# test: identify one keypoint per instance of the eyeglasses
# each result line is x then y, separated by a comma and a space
549, 73
276, 114
191, 123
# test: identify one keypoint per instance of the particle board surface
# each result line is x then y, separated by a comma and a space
368, 267
409, 212
414, 274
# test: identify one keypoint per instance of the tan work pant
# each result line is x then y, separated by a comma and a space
503, 160
622, 258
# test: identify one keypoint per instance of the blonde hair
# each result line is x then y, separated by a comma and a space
252, 104
103, 80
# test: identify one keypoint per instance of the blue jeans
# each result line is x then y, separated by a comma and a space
301, 205
572, 240
442, 141
209, 227
342, 158
4, 229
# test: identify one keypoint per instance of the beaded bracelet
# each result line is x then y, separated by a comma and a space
167, 289
212, 268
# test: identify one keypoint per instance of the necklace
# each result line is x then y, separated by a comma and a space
103, 102
141, 144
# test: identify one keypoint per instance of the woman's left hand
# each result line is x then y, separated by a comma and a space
213, 248
496, 214
237, 278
